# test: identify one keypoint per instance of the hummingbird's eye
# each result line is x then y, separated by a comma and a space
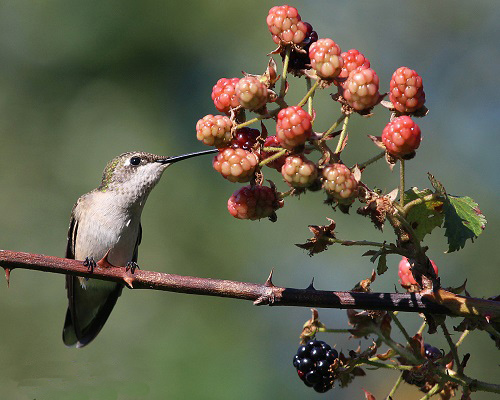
135, 160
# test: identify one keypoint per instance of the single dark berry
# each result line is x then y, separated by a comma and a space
331, 355
245, 138
296, 360
322, 387
306, 364
317, 353
303, 351
323, 367
313, 377
431, 352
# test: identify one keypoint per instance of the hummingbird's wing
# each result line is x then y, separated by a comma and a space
88, 309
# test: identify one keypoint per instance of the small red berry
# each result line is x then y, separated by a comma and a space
285, 25
325, 58
401, 136
224, 94
214, 130
236, 165
353, 59
299, 172
361, 88
404, 271
406, 90
294, 127
245, 138
272, 141
339, 181
254, 202
251, 93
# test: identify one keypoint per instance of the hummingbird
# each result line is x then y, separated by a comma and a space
107, 222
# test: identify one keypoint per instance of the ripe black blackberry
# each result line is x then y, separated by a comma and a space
313, 362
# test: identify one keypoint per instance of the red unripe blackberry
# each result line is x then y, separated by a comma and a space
236, 165
251, 93
245, 138
272, 141
285, 25
353, 59
254, 202
325, 58
339, 182
224, 94
406, 90
299, 172
404, 271
214, 130
294, 127
361, 88
401, 136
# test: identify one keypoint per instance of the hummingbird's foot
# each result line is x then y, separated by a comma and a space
90, 264
132, 266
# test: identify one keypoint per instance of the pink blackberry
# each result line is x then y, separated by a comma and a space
214, 130
277, 164
406, 278
325, 58
245, 138
339, 182
285, 25
299, 172
353, 59
251, 93
254, 202
361, 89
293, 127
224, 94
236, 165
401, 137
406, 90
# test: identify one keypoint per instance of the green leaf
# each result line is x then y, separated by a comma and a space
382, 264
462, 220
426, 216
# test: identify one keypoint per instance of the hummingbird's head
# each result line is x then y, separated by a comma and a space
136, 173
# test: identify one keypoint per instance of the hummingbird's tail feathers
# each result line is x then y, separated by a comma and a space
89, 306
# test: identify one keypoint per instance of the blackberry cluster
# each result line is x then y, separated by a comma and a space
313, 362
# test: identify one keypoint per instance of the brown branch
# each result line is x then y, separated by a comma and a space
260, 294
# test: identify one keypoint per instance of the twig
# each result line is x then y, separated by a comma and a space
401, 327
402, 183
371, 160
342, 135
309, 94
453, 348
285, 71
395, 387
261, 294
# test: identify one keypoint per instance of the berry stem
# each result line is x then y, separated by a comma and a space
462, 337
389, 366
271, 114
395, 387
392, 249
402, 183
275, 156
435, 389
371, 160
453, 348
342, 135
309, 95
403, 352
400, 326
333, 127
334, 330
285, 71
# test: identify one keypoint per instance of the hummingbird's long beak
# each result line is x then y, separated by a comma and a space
171, 160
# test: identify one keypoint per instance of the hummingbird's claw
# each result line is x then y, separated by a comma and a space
90, 264
132, 266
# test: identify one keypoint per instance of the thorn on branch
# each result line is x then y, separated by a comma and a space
7, 276
269, 281
311, 285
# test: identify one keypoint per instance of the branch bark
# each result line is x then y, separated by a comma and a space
261, 294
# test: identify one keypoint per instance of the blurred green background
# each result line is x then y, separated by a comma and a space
81, 82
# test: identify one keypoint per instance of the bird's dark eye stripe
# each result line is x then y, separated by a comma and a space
135, 160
